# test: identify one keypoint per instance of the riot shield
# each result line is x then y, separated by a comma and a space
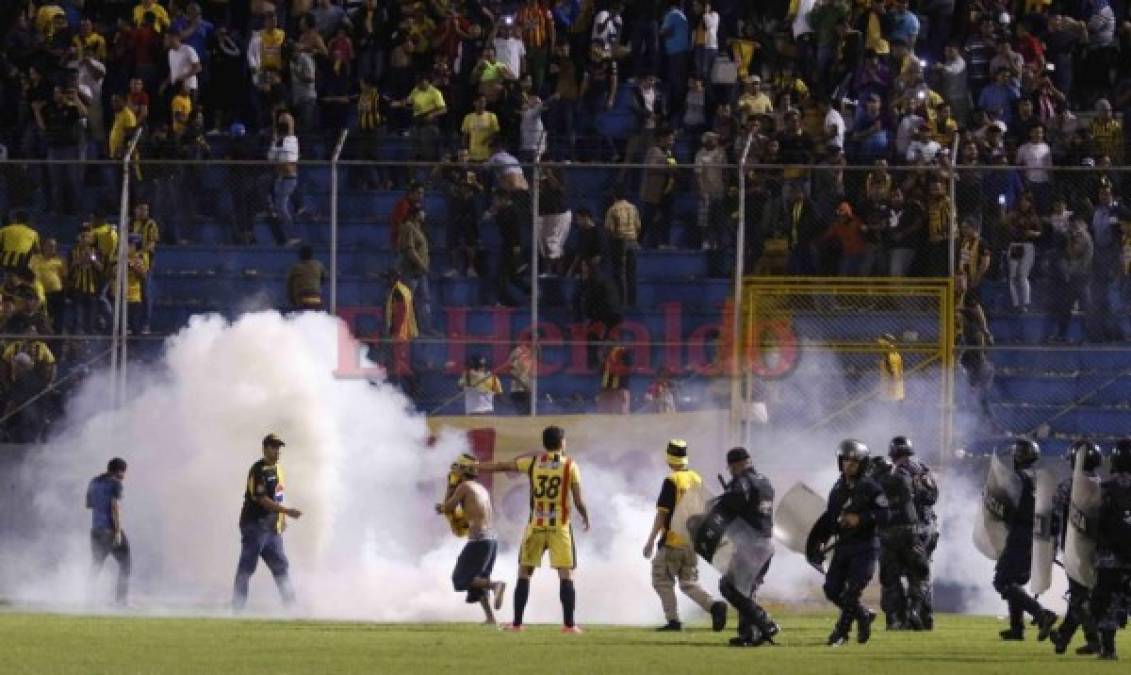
728, 543
1000, 498
1044, 545
798, 522
1083, 516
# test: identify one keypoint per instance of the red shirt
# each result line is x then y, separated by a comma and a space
1031, 49
146, 46
848, 234
400, 211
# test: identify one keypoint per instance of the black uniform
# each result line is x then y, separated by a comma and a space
1014, 566
1078, 614
1111, 598
854, 559
750, 496
903, 552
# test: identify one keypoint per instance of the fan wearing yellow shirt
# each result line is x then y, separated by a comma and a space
125, 121
479, 127
159, 13
181, 107
51, 272
136, 274
554, 478
18, 241
89, 43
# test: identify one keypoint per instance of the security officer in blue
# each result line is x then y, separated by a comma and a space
749, 496
857, 507
1014, 566
1111, 598
262, 522
903, 550
1079, 614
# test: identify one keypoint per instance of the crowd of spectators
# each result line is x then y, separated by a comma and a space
856, 118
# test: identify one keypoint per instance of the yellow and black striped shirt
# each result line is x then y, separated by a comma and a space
17, 242
83, 277
369, 110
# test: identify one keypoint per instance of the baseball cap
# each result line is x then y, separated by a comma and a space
273, 440
737, 455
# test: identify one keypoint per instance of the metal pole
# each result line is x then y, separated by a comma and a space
534, 287
739, 273
118, 322
334, 220
952, 254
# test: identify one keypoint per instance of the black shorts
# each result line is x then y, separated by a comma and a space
476, 560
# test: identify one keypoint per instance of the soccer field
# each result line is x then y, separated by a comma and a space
39, 643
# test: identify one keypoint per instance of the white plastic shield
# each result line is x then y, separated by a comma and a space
1044, 545
1083, 514
797, 512
1000, 498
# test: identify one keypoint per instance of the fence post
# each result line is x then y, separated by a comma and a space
737, 410
535, 196
951, 253
119, 324
334, 220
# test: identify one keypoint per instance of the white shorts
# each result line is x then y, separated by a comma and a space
553, 230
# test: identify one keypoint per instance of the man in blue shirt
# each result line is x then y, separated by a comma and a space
676, 35
904, 24
999, 97
107, 538
195, 32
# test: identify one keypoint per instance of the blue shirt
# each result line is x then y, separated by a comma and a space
675, 29
199, 39
100, 494
904, 26
1105, 223
999, 99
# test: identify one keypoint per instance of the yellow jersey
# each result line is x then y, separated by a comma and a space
38, 350
891, 372
675, 487
124, 122
551, 476
159, 13
49, 272
16, 242
271, 49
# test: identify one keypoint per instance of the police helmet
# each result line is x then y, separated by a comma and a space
1025, 452
850, 448
1088, 451
879, 466
900, 446
1121, 456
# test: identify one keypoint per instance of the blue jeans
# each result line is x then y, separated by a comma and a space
257, 541
283, 190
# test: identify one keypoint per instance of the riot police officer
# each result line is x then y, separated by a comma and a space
1078, 614
857, 506
1014, 566
926, 494
903, 553
750, 497
1111, 597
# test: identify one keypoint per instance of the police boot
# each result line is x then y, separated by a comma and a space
766, 633
1107, 645
893, 621
1060, 640
1090, 648
864, 619
1045, 622
839, 636
672, 625
1013, 634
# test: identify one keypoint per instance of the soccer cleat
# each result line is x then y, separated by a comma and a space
499, 588
864, 626
672, 625
572, 630
837, 638
1013, 634
718, 615
514, 628
1045, 622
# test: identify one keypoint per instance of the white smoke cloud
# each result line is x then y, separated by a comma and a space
359, 465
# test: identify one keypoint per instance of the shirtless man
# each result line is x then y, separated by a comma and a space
467, 504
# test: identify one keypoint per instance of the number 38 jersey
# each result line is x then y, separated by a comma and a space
551, 474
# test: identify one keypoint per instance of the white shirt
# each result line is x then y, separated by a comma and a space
180, 65
284, 153
511, 51
833, 119
905, 131
923, 150
1037, 159
711, 32
532, 131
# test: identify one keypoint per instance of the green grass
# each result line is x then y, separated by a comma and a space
45, 643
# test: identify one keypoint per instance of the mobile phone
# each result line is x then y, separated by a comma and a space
1001, 200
